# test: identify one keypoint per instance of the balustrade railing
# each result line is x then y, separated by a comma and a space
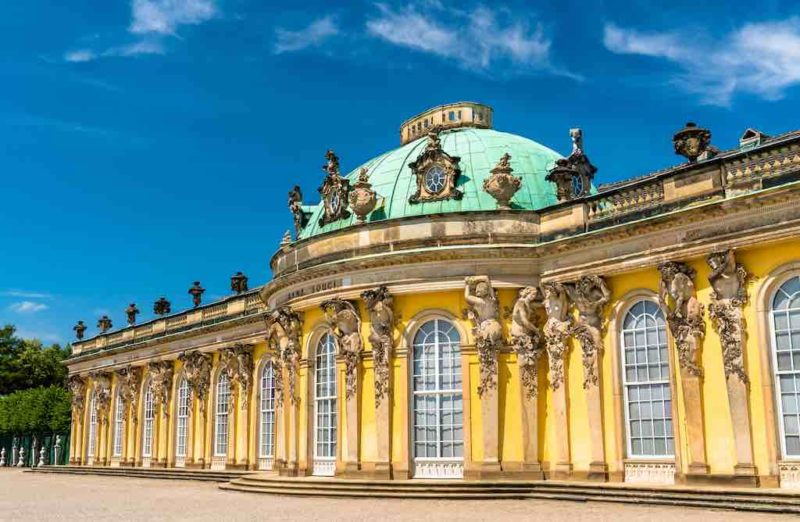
625, 199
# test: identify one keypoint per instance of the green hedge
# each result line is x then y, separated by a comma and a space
35, 411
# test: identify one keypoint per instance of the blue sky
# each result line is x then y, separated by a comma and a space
150, 143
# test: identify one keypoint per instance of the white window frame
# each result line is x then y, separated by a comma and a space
422, 463
148, 421
221, 420
665, 383
91, 446
776, 373
325, 363
119, 416
182, 418
266, 440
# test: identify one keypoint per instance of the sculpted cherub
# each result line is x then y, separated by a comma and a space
525, 337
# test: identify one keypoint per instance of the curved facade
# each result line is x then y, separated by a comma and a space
480, 327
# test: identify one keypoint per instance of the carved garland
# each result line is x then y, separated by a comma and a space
379, 303
556, 330
102, 390
345, 323
526, 339
77, 386
130, 378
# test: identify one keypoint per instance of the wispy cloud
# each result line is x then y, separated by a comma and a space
80, 55
27, 307
152, 21
25, 294
311, 36
759, 58
474, 39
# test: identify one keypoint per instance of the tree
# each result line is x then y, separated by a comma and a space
28, 363
35, 411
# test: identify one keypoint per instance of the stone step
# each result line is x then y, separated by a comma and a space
162, 473
517, 487
685, 501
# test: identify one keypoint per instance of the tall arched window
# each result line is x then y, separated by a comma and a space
437, 401
221, 416
266, 441
90, 447
182, 419
786, 363
147, 426
645, 379
118, 427
325, 406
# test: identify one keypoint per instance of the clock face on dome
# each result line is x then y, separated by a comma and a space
336, 202
435, 179
577, 185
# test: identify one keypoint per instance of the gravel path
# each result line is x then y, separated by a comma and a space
29, 496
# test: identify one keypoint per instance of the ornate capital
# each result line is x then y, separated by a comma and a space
345, 323
197, 371
436, 173
729, 283
380, 305
684, 312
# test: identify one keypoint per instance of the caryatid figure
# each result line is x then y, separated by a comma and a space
556, 329
344, 320
525, 337
590, 296
484, 312
729, 281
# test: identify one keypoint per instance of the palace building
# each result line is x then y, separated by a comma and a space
476, 305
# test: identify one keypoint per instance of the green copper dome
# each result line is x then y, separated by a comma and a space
479, 151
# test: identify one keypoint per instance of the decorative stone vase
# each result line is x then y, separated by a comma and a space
502, 185
362, 198
562, 175
691, 141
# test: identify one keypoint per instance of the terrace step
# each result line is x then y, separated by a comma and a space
156, 473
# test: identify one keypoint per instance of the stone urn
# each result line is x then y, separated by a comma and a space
362, 198
502, 185
691, 141
562, 175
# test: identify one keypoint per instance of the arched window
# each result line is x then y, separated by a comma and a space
182, 418
266, 441
645, 379
147, 426
118, 416
325, 406
221, 416
786, 363
92, 425
438, 431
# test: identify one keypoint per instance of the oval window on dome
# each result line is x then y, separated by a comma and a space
434, 179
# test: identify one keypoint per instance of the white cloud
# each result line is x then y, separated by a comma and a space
474, 39
312, 36
25, 294
759, 58
151, 22
27, 307
164, 16
81, 55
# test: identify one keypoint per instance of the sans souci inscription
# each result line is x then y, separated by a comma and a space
318, 287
